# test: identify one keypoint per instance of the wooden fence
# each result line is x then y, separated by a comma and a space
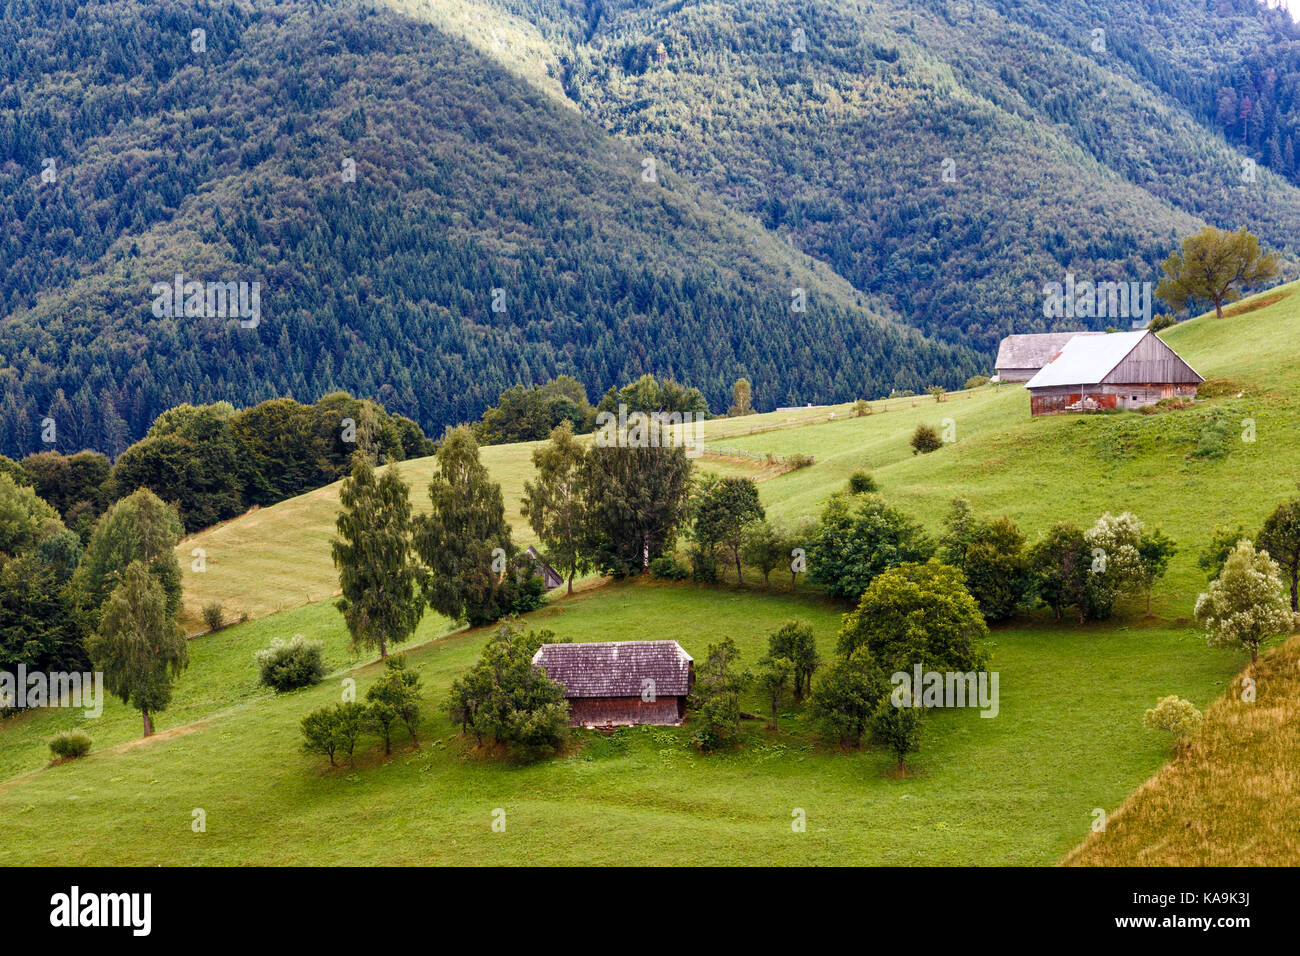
715, 452
841, 412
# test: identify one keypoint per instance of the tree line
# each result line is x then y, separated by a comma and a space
395, 284
213, 462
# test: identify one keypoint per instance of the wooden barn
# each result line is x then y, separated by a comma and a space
1119, 370
552, 577
1021, 356
620, 683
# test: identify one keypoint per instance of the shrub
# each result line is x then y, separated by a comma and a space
212, 617
1212, 443
798, 461
862, 483
288, 665
925, 440
1177, 403
1162, 321
527, 595
70, 744
394, 697
704, 564
333, 730
504, 699
938, 391
716, 698
669, 568
1219, 388
861, 408
976, 381
1175, 715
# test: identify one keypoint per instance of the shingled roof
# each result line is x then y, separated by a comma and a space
1033, 350
617, 668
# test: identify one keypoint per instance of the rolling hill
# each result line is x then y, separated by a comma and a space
1020, 789
1002, 461
600, 188
949, 157
423, 226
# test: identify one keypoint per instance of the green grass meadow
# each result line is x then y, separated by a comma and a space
1017, 789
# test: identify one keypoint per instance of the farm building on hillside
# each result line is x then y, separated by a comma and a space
1119, 370
547, 573
620, 682
1021, 356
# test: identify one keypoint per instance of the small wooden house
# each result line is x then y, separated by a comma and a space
547, 573
1021, 356
620, 683
1118, 370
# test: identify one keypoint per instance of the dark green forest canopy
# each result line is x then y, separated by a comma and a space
1065, 151
227, 165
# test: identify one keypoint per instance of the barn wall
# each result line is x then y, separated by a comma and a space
1138, 396
1052, 401
1016, 374
1153, 362
598, 711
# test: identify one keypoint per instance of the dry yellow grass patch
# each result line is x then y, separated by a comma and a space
277, 558
1232, 797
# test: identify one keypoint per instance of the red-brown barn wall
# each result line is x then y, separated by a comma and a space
599, 711
1050, 401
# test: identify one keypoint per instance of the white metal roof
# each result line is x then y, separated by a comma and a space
1087, 359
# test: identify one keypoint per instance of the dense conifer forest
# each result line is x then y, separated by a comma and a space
489, 236
440, 201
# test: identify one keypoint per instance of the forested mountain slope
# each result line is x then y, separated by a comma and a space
949, 156
938, 160
472, 189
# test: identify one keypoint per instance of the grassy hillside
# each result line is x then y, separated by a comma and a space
1038, 471
1016, 789
1231, 799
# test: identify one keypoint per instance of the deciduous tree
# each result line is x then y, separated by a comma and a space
1280, 537
140, 528
796, 643
557, 505
380, 580
465, 541
898, 728
138, 645
775, 680
638, 498
917, 614
848, 691
850, 547
1215, 265
724, 510
1245, 604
